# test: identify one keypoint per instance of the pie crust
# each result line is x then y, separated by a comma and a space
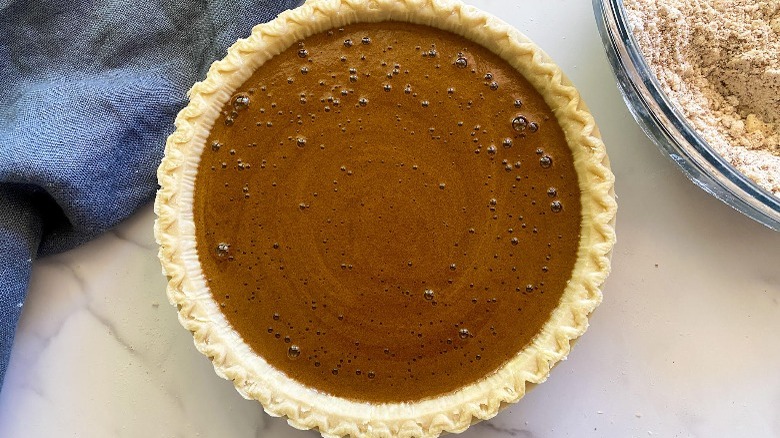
305, 407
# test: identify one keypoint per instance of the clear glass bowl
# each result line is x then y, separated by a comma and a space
668, 127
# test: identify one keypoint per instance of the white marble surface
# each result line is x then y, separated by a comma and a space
684, 345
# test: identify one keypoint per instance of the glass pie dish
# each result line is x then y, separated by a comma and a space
668, 127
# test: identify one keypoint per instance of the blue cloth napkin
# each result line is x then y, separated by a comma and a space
88, 93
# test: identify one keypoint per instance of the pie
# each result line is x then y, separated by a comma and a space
385, 218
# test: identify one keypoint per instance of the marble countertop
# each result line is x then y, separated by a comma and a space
685, 343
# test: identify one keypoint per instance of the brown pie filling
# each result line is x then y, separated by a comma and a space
387, 212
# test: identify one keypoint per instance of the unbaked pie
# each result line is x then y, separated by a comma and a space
385, 218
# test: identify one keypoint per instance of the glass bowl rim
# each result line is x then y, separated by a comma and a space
669, 129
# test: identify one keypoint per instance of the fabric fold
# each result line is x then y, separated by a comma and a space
20, 231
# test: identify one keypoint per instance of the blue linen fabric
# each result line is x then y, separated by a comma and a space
88, 93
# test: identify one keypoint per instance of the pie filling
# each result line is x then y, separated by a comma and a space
387, 212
